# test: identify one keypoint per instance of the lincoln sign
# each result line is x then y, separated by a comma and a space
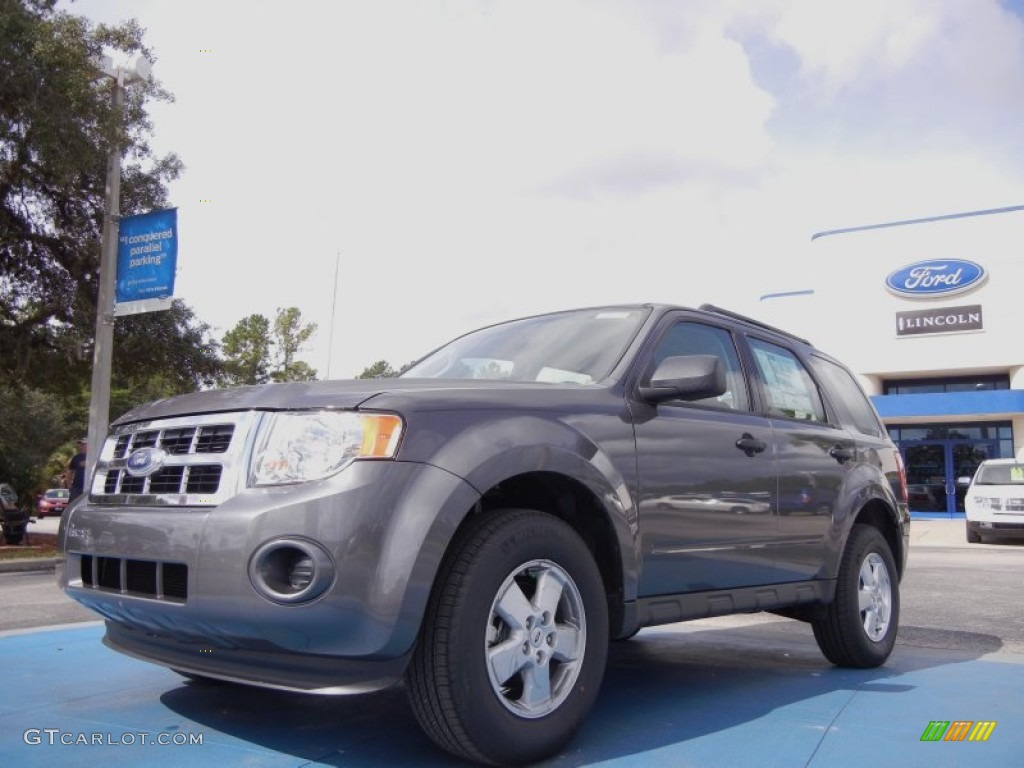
945, 320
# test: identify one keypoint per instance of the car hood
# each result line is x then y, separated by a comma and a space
386, 394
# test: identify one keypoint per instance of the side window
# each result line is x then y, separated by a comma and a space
699, 339
789, 388
854, 408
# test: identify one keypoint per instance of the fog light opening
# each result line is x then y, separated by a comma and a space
291, 571
300, 573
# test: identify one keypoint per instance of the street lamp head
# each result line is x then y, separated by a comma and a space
104, 65
138, 70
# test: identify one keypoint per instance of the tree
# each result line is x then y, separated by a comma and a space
32, 424
289, 335
247, 351
297, 371
57, 124
57, 127
171, 346
380, 370
256, 352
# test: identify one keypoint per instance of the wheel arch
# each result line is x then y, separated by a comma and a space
880, 515
609, 539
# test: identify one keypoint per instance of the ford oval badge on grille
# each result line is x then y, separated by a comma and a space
939, 277
145, 461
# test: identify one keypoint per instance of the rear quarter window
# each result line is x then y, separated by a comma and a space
852, 405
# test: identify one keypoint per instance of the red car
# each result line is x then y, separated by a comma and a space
53, 502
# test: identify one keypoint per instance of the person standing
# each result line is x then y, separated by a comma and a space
76, 471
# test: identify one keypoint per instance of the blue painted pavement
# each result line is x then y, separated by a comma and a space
699, 694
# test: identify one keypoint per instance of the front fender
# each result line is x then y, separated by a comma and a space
596, 450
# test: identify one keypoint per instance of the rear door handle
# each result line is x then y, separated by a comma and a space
750, 444
841, 454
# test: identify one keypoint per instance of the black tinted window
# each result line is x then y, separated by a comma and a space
854, 408
699, 339
1000, 474
789, 388
578, 347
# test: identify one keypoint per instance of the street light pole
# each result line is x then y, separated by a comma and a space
103, 347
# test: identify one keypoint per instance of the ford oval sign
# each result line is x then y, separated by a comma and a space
145, 461
940, 277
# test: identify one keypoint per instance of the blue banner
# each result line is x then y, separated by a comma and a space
147, 256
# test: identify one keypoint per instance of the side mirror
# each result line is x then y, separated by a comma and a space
963, 480
689, 377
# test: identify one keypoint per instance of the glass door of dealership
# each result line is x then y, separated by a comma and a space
941, 459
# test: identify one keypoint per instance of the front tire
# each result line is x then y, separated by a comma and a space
858, 629
192, 677
514, 643
973, 537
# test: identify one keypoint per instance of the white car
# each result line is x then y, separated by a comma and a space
995, 500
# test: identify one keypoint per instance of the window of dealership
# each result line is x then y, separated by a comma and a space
929, 314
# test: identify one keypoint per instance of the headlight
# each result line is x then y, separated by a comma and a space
297, 447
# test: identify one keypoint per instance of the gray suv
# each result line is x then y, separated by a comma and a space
483, 525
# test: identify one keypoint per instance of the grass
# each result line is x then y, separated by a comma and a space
35, 545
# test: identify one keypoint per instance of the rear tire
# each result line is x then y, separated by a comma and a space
859, 628
514, 642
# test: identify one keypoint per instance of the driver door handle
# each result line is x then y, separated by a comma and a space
841, 454
750, 444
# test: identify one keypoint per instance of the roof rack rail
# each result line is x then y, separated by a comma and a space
751, 321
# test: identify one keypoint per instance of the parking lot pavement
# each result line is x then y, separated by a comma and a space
731, 691
938, 533
738, 691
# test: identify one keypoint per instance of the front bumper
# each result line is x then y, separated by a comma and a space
1009, 526
176, 587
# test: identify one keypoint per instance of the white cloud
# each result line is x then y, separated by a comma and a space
475, 161
844, 43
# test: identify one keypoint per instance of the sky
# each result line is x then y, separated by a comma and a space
459, 163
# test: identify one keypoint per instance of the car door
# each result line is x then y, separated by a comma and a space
812, 456
706, 475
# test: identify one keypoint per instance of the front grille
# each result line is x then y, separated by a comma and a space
177, 441
176, 580
145, 440
215, 439
167, 480
1015, 505
203, 478
192, 478
121, 446
200, 460
140, 578
131, 484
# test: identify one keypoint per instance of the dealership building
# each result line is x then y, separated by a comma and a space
930, 314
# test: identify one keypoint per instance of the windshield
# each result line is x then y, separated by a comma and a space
578, 347
1000, 474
